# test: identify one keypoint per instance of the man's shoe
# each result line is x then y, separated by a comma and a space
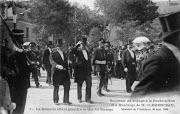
107, 90
80, 101
129, 91
100, 94
67, 103
89, 101
37, 86
56, 103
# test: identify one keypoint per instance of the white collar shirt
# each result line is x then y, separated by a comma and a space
85, 54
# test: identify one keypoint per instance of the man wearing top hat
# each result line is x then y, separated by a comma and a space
82, 71
60, 75
46, 62
33, 56
129, 64
99, 61
19, 63
161, 71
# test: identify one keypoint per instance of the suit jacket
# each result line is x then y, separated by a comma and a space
161, 73
46, 60
128, 61
59, 76
109, 58
99, 54
116, 55
84, 66
19, 64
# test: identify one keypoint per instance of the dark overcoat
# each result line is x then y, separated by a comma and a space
83, 67
161, 73
46, 60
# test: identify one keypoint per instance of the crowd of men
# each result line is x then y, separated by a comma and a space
157, 71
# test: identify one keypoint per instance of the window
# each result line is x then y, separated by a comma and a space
27, 32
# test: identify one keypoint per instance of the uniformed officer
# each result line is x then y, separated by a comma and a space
34, 58
99, 60
109, 60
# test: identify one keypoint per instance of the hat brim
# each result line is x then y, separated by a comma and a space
168, 34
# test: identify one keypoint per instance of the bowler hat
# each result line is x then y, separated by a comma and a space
170, 24
18, 35
18, 32
59, 42
32, 43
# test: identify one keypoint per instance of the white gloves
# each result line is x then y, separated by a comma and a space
125, 69
79, 43
60, 67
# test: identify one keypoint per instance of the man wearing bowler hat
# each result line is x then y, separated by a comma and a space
83, 69
161, 71
19, 63
59, 62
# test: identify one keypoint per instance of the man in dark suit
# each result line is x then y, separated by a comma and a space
59, 62
19, 63
83, 70
99, 61
119, 70
46, 62
161, 71
129, 64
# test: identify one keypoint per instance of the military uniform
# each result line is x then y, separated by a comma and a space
34, 58
109, 60
100, 55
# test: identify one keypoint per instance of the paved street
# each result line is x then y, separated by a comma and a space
40, 100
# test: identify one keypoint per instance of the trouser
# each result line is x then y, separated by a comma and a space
38, 72
71, 70
101, 76
119, 69
131, 77
20, 100
107, 75
48, 80
35, 75
88, 81
66, 86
